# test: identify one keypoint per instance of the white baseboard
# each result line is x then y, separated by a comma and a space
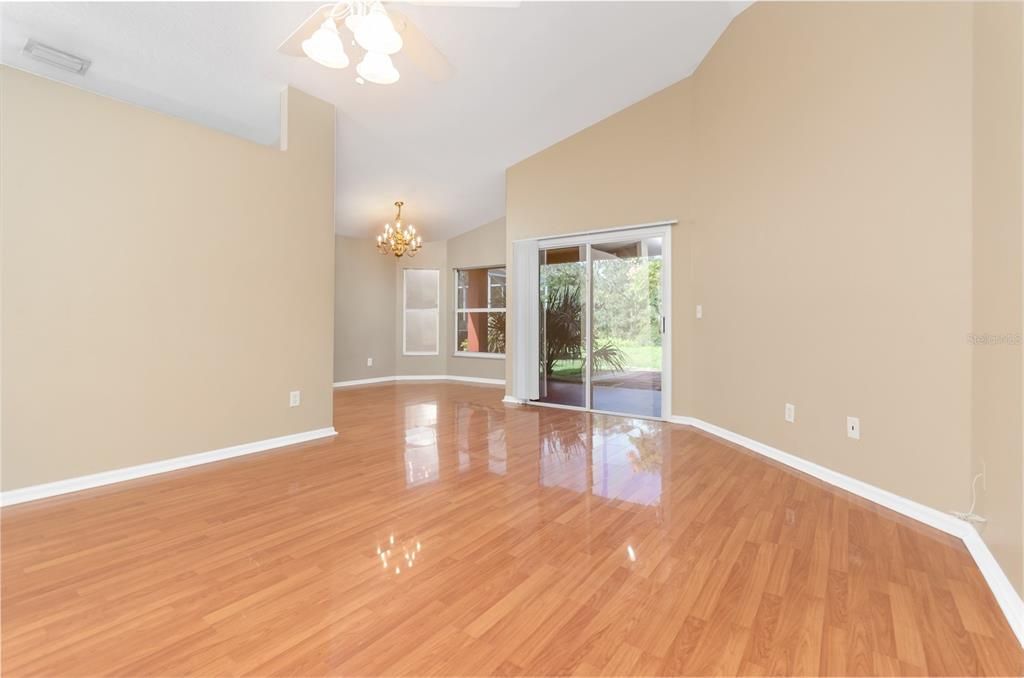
420, 377
477, 380
1009, 600
512, 400
361, 382
55, 488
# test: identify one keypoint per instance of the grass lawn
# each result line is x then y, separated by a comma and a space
637, 358
642, 357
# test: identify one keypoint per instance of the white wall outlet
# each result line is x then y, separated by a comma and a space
853, 427
369, 362
790, 412
294, 398
700, 311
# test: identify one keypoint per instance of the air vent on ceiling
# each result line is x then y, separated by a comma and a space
55, 57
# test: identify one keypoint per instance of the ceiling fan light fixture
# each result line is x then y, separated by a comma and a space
325, 46
353, 21
375, 33
377, 68
356, 13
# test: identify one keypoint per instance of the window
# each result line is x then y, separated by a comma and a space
420, 302
480, 312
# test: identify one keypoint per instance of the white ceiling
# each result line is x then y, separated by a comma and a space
525, 76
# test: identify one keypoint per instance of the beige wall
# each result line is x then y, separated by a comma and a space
998, 296
364, 311
368, 307
832, 246
820, 165
164, 285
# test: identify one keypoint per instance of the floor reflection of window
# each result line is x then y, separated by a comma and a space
627, 463
473, 425
621, 461
421, 458
564, 455
497, 454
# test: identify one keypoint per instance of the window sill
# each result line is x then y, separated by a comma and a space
487, 356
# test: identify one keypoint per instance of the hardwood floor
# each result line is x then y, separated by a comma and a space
445, 533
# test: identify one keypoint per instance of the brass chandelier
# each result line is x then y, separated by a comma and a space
399, 239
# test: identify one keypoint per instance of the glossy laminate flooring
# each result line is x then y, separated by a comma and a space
445, 533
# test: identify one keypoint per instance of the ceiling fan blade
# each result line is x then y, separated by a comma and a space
292, 45
420, 50
498, 4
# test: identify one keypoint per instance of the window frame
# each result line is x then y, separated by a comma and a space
457, 310
436, 309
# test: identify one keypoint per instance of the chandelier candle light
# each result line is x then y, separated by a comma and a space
400, 239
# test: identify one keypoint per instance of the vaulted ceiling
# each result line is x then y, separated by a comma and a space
525, 75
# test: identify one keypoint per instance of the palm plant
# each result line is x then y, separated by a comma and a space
563, 326
496, 332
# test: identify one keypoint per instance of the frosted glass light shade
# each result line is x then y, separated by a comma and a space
325, 46
375, 33
377, 68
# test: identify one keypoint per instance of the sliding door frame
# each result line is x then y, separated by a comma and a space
587, 240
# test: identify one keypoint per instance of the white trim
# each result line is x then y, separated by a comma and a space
436, 310
667, 315
476, 380
58, 487
363, 382
555, 240
457, 309
420, 377
1009, 601
512, 400
588, 329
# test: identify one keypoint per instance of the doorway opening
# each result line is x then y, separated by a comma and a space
604, 322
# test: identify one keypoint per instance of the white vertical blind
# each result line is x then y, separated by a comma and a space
525, 298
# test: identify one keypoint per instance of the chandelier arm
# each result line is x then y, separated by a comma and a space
401, 240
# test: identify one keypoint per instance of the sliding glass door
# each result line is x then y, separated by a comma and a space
603, 323
563, 293
626, 326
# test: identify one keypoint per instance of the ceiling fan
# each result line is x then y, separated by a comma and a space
378, 32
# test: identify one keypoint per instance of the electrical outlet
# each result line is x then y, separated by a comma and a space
294, 398
790, 412
700, 311
369, 362
853, 427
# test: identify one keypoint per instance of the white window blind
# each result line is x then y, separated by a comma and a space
420, 311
